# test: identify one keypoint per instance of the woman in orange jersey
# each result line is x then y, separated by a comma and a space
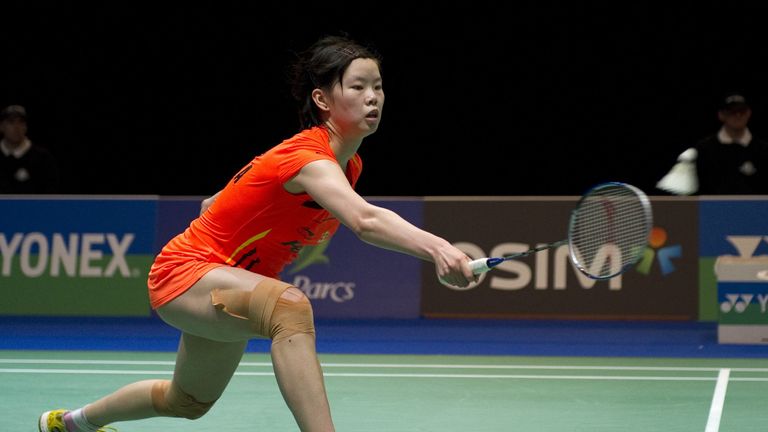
218, 282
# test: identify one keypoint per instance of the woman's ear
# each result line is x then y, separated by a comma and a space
318, 96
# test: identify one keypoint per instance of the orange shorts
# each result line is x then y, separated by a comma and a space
172, 274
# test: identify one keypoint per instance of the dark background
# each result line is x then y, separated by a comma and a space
519, 98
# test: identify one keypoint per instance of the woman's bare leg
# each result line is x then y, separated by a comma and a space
301, 382
197, 357
219, 346
212, 346
295, 361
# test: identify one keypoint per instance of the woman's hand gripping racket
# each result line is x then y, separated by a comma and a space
607, 234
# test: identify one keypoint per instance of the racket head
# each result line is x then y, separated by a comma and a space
609, 229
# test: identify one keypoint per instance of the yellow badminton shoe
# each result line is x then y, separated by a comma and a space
53, 421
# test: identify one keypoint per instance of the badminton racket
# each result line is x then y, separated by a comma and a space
607, 233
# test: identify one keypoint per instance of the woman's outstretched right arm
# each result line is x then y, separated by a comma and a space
324, 181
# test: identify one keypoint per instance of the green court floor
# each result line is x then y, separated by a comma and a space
395, 393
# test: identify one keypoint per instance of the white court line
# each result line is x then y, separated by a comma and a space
545, 367
718, 399
397, 365
93, 362
90, 371
380, 375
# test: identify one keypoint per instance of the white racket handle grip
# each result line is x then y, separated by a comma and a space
478, 266
482, 265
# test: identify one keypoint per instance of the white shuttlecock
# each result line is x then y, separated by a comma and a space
682, 178
689, 155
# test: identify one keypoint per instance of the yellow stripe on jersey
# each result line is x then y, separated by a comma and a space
258, 236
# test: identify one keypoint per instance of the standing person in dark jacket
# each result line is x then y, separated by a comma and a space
25, 168
729, 162
732, 161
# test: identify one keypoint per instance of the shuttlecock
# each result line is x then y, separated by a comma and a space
682, 178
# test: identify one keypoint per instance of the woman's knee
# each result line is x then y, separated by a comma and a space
170, 400
292, 315
274, 308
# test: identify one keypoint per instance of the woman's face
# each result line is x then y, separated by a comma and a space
356, 103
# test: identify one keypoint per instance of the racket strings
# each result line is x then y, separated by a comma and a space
609, 230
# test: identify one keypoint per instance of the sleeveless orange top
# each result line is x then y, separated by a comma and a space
254, 224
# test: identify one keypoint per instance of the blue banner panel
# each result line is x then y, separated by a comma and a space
174, 216
729, 225
79, 215
352, 279
74, 256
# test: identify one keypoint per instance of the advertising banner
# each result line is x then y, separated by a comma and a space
734, 267
98, 252
76, 257
663, 285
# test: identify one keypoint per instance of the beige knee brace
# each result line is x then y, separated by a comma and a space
276, 309
170, 400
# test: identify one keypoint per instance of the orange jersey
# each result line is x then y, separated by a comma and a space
254, 224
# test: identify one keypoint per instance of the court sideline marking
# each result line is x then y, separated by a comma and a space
395, 365
714, 413
718, 399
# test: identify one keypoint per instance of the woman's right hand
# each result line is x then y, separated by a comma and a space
452, 267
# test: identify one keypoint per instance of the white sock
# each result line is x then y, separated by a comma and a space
82, 423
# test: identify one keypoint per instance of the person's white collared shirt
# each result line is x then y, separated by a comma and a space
744, 141
18, 152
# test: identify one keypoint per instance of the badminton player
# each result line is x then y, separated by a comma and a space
217, 282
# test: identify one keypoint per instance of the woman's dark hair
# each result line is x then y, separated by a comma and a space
321, 66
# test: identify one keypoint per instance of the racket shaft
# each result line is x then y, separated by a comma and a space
482, 265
